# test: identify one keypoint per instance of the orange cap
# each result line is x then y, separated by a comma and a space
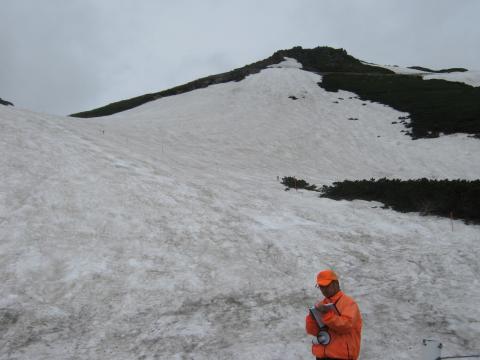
325, 277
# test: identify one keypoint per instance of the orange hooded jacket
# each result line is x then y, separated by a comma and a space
344, 324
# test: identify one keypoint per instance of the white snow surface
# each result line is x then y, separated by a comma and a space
163, 233
400, 69
287, 63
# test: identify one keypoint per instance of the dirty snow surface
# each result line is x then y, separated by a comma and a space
163, 233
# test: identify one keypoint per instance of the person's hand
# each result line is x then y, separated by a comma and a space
322, 308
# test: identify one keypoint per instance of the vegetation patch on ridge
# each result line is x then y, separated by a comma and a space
320, 59
435, 106
451, 70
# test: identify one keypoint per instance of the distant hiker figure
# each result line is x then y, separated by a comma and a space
335, 322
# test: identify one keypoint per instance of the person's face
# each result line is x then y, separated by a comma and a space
329, 290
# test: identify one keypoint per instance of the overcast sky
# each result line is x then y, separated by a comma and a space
65, 56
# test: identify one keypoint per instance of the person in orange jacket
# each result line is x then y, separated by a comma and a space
335, 322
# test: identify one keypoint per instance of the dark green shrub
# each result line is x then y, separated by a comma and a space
292, 182
457, 198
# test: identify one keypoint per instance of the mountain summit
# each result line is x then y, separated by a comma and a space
320, 59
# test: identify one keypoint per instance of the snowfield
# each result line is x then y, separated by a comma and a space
163, 233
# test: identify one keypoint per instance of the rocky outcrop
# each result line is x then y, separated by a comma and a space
5, 102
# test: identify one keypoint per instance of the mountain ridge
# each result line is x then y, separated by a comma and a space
319, 59
434, 106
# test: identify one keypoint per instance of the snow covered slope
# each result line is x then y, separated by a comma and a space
163, 233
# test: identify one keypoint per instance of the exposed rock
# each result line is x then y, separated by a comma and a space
5, 102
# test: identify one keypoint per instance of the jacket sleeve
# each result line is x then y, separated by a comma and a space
344, 322
311, 326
